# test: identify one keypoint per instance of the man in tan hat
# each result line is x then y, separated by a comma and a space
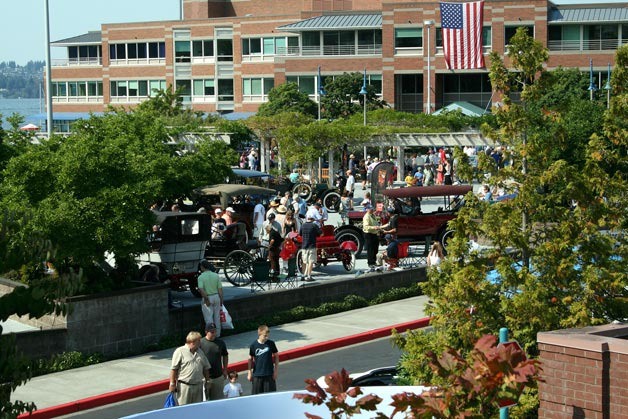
281, 215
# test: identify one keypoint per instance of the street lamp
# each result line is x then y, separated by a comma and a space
592, 86
428, 23
364, 92
607, 87
321, 91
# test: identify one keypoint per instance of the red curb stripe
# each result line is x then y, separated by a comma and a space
162, 385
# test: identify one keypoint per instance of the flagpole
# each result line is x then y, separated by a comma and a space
48, 74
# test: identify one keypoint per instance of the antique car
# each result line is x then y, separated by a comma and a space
414, 224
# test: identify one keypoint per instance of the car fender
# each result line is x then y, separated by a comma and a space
349, 245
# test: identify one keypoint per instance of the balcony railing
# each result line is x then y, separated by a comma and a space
330, 50
138, 61
77, 99
71, 62
587, 45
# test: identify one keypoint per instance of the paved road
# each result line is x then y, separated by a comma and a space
377, 353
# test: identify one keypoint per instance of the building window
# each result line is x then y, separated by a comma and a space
203, 48
408, 37
84, 54
225, 90
270, 46
472, 88
204, 87
256, 89
124, 90
224, 49
510, 31
306, 83
601, 37
370, 42
375, 80
137, 52
182, 51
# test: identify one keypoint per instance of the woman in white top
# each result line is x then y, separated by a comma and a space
436, 255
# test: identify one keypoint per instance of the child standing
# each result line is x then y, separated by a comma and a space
263, 363
233, 388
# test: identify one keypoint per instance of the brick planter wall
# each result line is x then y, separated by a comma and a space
120, 322
585, 372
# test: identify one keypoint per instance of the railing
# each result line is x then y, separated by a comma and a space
138, 61
330, 50
71, 62
587, 45
77, 99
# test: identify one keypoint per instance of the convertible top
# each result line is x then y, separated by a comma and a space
227, 190
424, 191
245, 173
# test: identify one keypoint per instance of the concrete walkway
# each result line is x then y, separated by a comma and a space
116, 376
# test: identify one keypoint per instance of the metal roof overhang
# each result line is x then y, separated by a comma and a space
565, 15
326, 22
449, 139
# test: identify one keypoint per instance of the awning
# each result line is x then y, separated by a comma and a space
466, 108
326, 22
587, 15
89, 38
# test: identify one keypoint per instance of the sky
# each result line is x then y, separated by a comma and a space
23, 22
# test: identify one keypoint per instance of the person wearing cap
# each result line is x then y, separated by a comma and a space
188, 368
264, 235
219, 225
391, 252
309, 231
215, 350
210, 288
228, 216
370, 228
353, 164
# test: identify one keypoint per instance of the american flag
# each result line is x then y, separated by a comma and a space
462, 34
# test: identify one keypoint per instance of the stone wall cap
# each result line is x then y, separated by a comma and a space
593, 338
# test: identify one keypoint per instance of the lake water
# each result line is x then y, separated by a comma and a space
25, 107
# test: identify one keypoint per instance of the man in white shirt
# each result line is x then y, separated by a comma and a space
259, 215
349, 186
314, 212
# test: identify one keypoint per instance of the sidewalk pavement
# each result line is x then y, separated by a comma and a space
88, 387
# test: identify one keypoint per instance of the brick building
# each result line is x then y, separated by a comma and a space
227, 54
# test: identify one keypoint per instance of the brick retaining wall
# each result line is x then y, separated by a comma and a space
120, 322
585, 372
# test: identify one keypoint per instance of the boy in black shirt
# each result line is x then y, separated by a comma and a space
263, 363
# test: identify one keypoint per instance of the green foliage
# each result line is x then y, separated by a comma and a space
343, 98
287, 98
65, 361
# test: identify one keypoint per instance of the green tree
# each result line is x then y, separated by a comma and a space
553, 246
343, 99
89, 193
287, 98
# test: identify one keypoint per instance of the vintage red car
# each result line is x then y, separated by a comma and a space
414, 224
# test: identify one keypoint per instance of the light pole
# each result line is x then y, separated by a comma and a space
592, 87
321, 91
607, 87
48, 72
428, 24
364, 92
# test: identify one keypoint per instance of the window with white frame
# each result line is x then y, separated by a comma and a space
256, 89
204, 87
406, 38
269, 46
140, 52
307, 84
135, 89
203, 48
77, 91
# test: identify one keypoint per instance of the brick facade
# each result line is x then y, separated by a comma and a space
585, 373
262, 18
